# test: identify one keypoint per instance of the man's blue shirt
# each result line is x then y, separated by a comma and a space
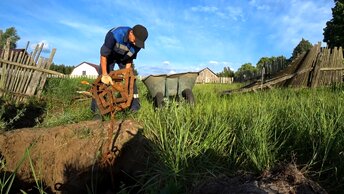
117, 48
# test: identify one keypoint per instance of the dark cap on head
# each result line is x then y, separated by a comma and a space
141, 35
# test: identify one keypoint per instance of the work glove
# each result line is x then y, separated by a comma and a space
106, 79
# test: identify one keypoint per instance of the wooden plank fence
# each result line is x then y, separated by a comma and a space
223, 80
23, 75
317, 67
73, 76
226, 80
277, 65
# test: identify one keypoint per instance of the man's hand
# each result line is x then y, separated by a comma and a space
128, 65
106, 79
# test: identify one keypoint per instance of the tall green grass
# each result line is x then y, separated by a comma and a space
224, 134
64, 104
250, 132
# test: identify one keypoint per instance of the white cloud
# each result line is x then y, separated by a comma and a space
45, 44
235, 13
199, 68
259, 5
154, 68
166, 63
85, 27
217, 66
213, 62
206, 9
172, 72
303, 19
174, 67
227, 64
163, 23
168, 42
182, 36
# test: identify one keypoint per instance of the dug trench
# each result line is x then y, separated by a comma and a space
69, 158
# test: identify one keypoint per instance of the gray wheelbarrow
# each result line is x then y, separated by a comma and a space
177, 86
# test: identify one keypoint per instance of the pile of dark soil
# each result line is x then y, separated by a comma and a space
283, 179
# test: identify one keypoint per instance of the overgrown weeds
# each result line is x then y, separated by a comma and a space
249, 132
64, 104
225, 134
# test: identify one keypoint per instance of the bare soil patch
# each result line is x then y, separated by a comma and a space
67, 159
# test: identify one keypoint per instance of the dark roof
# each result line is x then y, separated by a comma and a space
88, 63
16, 51
208, 69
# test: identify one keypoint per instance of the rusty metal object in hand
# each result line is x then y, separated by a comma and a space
112, 98
117, 96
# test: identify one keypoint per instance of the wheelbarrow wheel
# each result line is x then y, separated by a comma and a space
188, 96
158, 100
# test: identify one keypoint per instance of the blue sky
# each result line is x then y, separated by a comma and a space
186, 35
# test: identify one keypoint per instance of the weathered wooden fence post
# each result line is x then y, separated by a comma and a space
4, 54
23, 75
315, 68
262, 79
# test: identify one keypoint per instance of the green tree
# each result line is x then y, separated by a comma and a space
264, 62
271, 64
62, 68
246, 72
227, 72
303, 46
10, 33
334, 30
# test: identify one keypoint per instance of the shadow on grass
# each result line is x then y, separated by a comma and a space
122, 176
18, 185
22, 115
11, 182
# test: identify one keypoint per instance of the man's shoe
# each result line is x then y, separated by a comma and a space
97, 117
134, 110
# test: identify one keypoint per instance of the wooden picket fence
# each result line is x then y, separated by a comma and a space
66, 76
277, 65
318, 67
23, 75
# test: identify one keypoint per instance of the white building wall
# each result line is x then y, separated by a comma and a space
84, 67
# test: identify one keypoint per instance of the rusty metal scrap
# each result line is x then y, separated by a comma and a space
116, 97
110, 99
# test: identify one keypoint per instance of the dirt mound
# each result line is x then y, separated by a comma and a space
61, 154
67, 160
284, 179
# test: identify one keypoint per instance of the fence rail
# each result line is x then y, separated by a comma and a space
320, 66
21, 74
73, 76
222, 80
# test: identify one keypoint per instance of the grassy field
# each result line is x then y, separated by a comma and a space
249, 132
223, 134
